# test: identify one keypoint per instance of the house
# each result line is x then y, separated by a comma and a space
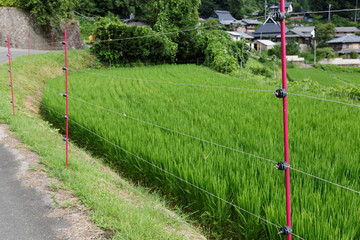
276, 7
303, 35
269, 30
237, 36
345, 44
306, 30
132, 21
263, 45
340, 31
224, 17
250, 24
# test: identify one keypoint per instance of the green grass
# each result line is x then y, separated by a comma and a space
323, 78
124, 210
323, 141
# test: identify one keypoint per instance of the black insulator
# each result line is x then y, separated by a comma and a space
285, 230
280, 93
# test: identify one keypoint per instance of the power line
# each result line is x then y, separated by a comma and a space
324, 99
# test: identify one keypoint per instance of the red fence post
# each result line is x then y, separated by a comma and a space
11, 84
67, 103
285, 116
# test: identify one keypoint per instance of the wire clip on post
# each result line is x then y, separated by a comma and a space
65, 139
278, 16
64, 68
63, 42
64, 94
285, 230
280, 93
65, 117
282, 166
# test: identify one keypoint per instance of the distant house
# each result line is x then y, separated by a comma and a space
269, 30
132, 21
224, 17
237, 36
276, 7
250, 24
345, 44
303, 35
340, 31
263, 45
307, 30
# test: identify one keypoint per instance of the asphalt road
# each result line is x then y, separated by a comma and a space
22, 209
16, 53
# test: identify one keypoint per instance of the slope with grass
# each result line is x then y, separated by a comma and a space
249, 121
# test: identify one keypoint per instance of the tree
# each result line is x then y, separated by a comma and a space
324, 33
49, 12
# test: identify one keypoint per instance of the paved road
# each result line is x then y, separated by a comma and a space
22, 209
16, 53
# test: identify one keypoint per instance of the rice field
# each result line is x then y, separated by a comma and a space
324, 139
316, 75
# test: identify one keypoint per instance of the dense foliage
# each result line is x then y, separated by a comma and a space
214, 47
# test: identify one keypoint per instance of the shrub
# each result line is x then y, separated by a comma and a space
354, 55
154, 49
322, 53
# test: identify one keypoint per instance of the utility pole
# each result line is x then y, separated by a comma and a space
314, 52
329, 12
266, 5
356, 11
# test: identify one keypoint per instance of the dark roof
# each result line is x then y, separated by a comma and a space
251, 22
297, 33
222, 15
347, 29
305, 29
348, 38
269, 28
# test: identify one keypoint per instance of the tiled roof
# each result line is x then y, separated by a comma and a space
306, 29
348, 38
347, 29
240, 34
251, 21
224, 15
266, 42
270, 28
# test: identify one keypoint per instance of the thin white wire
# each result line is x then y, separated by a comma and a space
324, 180
171, 174
203, 140
175, 83
323, 99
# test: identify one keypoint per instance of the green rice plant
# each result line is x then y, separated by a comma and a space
323, 141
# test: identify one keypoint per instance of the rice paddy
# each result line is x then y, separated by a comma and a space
324, 140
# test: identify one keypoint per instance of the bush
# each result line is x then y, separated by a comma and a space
322, 53
354, 55
292, 48
148, 49
221, 53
